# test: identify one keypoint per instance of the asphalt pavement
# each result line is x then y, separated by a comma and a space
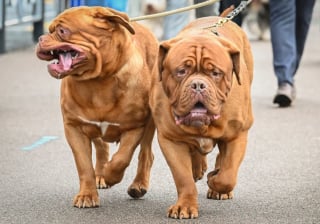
278, 181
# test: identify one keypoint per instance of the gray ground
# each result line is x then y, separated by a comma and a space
278, 181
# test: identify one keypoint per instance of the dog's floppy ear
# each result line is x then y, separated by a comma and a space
235, 56
114, 16
163, 50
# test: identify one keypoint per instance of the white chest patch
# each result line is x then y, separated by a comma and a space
103, 125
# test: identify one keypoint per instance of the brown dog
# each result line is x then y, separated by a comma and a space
105, 64
203, 100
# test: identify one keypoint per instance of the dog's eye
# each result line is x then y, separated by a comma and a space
216, 74
181, 72
63, 32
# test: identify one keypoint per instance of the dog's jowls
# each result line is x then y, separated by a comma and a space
105, 63
203, 100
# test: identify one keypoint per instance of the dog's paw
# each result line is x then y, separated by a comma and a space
221, 185
185, 211
112, 174
101, 183
136, 190
211, 194
86, 200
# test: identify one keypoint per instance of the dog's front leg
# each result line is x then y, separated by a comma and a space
179, 160
82, 152
223, 179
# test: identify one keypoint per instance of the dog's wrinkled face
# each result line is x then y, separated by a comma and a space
196, 74
84, 42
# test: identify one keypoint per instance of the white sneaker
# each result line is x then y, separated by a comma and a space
285, 95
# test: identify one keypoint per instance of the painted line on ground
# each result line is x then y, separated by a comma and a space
39, 142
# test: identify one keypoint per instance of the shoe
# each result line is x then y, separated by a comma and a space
285, 95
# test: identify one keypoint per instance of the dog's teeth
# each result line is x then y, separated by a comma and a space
51, 52
75, 56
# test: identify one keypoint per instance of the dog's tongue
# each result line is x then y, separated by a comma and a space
66, 60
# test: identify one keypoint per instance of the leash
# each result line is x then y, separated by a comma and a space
162, 14
243, 4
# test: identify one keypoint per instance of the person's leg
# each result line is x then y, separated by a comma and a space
303, 20
134, 8
282, 27
174, 23
210, 10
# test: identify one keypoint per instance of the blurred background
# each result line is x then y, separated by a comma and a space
23, 21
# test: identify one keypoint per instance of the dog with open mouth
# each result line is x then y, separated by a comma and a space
106, 64
203, 100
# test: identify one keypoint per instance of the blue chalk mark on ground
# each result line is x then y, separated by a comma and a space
41, 141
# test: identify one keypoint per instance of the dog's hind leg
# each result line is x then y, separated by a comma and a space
199, 165
102, 157
113, 170
140, 184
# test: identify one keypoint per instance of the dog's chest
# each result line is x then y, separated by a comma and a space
206, 145
102, 125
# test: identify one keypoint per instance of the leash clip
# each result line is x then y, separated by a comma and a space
229, 17
243, 4
220, 23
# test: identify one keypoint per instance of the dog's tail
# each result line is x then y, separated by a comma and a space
227, 11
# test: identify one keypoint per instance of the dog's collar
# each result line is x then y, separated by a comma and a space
214, 31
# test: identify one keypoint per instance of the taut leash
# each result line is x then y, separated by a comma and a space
243, 4
167, 13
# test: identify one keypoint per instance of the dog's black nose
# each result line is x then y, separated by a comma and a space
198, 85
